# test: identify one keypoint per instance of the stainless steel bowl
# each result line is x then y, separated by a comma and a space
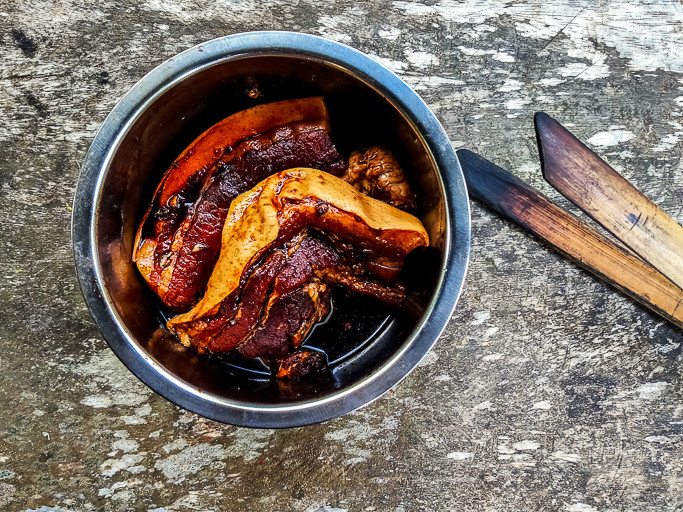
165, 111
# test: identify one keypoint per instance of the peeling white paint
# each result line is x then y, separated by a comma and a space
581, 507
104, 370
139, 417
583, 71
165, 6
125, 496
248, 443
97, 401
505, 450
357, 460
475, 51
651, 390
516, 104
510, 85
480, 317
459, 455
473, 12
522, 460
658, 439
498, 55
565, 457
422, 60
526, 445
397, 66
335, 26
125, 445
177, 466
550, 82
483, 406
390, 34
107, 492
173, 446
128, 462
503, 57
611, 138
668, 142
491, 331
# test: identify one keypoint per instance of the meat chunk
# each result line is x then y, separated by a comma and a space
178, 240
376, 173
299, 364
287, 321
280, 276
197, 242
270, 262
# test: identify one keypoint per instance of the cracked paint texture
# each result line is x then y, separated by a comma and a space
547, 391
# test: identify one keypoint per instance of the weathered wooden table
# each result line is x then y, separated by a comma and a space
549, 391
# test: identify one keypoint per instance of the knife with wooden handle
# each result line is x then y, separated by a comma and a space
511, 197
592, 185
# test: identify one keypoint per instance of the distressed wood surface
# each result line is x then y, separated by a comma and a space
548, 390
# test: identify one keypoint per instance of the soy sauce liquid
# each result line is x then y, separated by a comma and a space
352, 324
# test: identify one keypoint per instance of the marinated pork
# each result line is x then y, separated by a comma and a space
268, 243
251, 229
179, 238
377, 173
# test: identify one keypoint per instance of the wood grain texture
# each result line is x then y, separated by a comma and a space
511, 197
547, 391
591, 184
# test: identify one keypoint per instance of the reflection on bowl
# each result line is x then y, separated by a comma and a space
370, 348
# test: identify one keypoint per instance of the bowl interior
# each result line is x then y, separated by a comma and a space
361, 334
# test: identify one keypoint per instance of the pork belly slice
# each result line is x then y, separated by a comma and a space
279, 284
178, 240
264, 244
197, 242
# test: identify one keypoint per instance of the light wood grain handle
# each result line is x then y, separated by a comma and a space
591, 184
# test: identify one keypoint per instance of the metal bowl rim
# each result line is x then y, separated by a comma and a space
196, 59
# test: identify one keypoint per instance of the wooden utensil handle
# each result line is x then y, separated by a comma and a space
600, 191
526, 206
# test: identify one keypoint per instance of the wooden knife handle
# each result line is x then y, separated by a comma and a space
600, 191
514, 199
